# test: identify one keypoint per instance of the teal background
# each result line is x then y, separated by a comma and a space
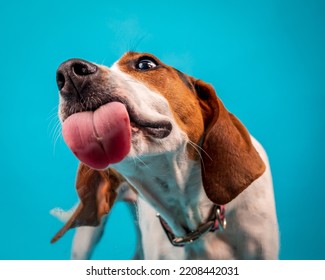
265, 58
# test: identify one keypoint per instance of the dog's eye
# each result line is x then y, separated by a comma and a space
146, 64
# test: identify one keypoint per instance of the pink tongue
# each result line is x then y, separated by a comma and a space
99, 138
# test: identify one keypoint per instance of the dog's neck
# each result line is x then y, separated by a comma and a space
172, 184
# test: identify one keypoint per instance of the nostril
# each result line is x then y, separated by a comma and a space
72, 74
60, 80
83, 69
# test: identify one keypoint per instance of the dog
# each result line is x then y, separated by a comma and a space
146, 131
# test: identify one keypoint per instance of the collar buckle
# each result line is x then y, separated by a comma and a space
220, 220
216, 221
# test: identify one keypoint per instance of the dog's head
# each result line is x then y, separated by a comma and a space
163, 105
142, 107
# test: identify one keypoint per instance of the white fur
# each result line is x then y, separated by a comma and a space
62, 215
170, 183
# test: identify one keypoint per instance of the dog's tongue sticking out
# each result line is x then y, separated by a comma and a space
101, 137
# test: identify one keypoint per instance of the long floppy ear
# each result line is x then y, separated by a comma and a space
97, 193
230, 161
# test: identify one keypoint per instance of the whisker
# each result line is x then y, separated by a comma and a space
103, 61
200, 148
144, 164
89, 170
134, 44
134, 161
197, 148
56, 128
52, 115
56, 133
52, 124
53, 111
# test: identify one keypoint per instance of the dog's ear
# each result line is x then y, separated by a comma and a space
230, 161
97, 193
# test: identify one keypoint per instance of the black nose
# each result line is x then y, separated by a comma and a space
71, 75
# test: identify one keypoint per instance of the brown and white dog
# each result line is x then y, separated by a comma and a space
182, 153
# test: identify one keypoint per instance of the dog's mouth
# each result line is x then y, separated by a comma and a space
158, 130
102, 136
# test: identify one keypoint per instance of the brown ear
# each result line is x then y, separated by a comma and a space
230, 160
97, 193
